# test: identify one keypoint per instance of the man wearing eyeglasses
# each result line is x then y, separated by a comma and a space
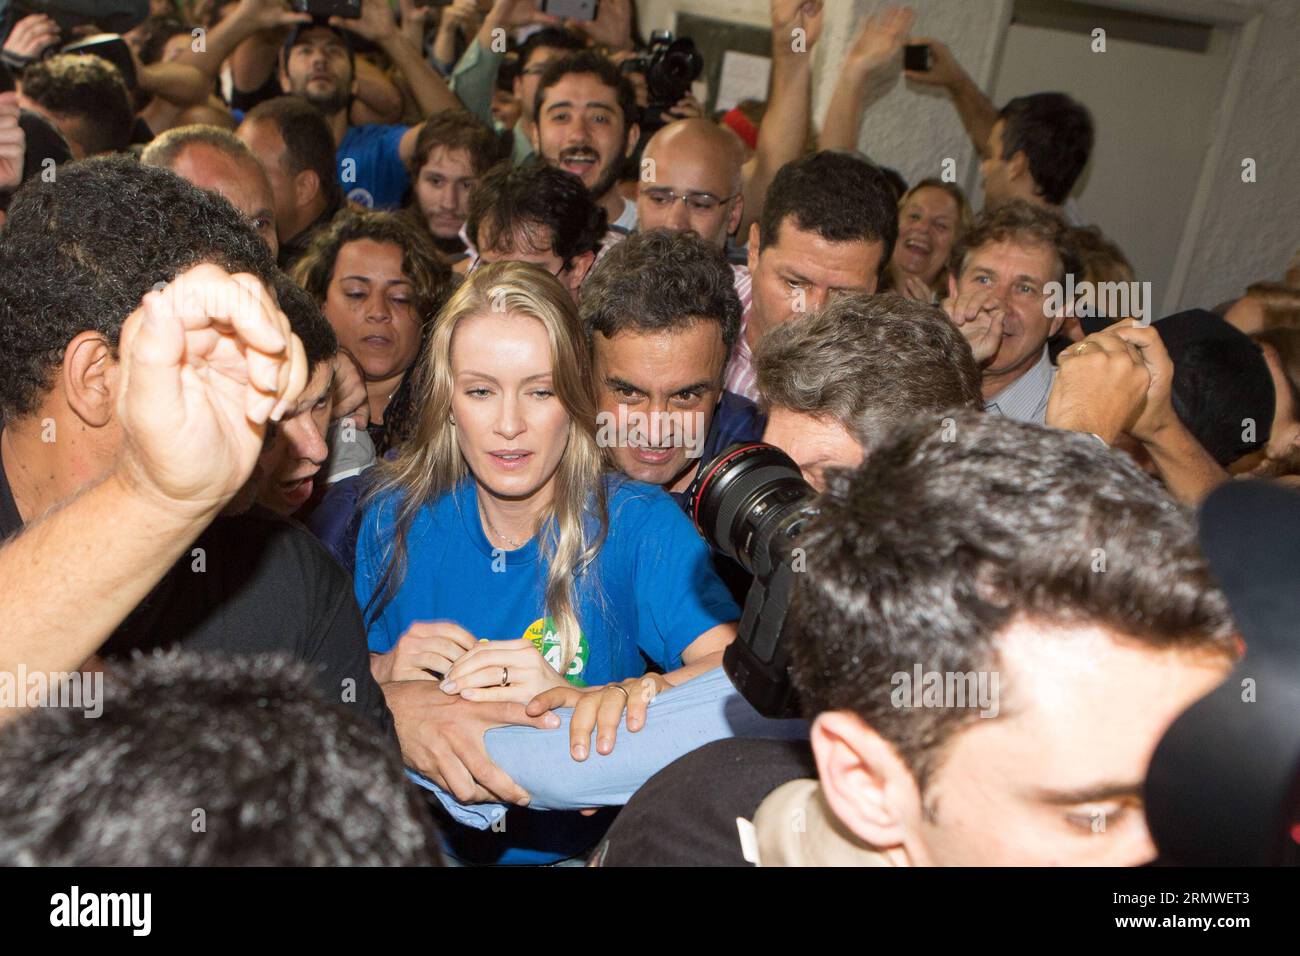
691, 179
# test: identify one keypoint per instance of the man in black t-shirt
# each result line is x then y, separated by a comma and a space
78, 258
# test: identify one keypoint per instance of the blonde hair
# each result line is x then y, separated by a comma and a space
430, 463
965, 217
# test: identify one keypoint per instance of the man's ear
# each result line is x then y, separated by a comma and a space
578, 270
867, 786
306, 187
753, 247
952, 285
1018, 166
737, 214
89, 378
282, 69
633, 137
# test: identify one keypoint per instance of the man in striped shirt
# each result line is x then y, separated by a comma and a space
829, 222
998, 294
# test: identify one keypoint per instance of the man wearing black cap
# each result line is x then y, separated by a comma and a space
317, 63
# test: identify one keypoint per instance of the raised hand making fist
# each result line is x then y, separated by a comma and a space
206, 362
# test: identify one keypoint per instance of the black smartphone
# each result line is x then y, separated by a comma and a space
348, 9
571, 9
6, 78
916, 56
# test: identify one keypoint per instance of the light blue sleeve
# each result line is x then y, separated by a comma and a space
678, 593
679, 720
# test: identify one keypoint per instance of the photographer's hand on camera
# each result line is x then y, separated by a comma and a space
944, 70
688, 107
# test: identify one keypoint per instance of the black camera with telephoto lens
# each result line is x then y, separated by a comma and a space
670, 67
751, 503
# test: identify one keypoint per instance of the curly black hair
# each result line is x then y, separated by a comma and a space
285, 777
432, 283
597, 65
88, 89
79, 254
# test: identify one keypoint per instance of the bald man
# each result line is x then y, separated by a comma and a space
215, 160
691, 179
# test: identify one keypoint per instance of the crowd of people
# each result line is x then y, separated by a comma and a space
354, 373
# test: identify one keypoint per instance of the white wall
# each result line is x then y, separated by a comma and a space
658, 14
1234, 232
1154, 110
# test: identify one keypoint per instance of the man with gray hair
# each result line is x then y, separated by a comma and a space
216, 160
834, 382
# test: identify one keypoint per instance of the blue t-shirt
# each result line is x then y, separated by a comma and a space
371, 170
651, 589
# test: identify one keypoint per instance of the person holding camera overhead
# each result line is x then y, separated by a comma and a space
497, 553
318, 64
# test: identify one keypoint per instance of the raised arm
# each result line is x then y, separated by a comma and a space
1118, 382
180, 83
977, 112
378, 25
205, 363
783, 134
1186, 468
872, 56
249, 35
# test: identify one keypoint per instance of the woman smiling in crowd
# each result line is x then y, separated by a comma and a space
932, 216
